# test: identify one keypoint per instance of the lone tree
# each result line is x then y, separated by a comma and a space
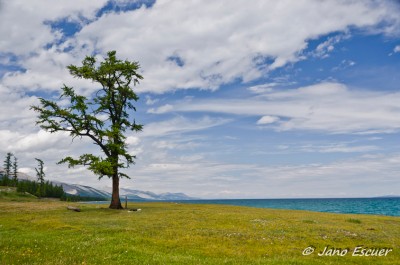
104, 118
40, 177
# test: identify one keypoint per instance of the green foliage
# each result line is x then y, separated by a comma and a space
41, 189
104, 118
15, 171
82, 118
5, 181
11, 194
10, 177
7, 169
47, 189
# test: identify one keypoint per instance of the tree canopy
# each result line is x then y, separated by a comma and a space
104, 117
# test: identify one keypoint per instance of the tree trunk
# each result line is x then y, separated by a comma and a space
115, 201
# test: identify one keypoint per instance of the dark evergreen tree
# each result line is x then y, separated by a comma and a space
49, 189
7, 169
15, 171
40, 179
83, 116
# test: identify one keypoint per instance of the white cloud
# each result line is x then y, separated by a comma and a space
14, 109
202, 178
132, 140
46, 71
397, 48
24, 23
29, 171
216, 43
163, 109
261, 89
343, 65
267, 120
150, 101
51, 146
327, 107
326, 47
212, 43
176, 144
338, 148
181, 125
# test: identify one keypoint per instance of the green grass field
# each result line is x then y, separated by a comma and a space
36, 231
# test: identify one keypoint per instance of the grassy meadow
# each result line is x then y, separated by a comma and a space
34, 231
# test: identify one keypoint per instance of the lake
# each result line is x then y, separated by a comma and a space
379, 206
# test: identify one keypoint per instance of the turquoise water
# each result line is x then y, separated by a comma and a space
380, 206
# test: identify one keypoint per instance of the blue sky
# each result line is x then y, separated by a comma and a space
260, 99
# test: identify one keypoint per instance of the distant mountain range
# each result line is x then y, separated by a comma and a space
20, 175
87, 191
388, 196
83, 191
148, 195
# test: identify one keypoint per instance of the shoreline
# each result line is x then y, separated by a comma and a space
325, 205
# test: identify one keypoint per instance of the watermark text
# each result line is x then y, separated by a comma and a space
359, 251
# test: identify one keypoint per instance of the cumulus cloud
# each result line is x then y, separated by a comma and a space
132, 140
212, 43
25, 25
219, 43
14, 109
46, 71
396, 49
195, 44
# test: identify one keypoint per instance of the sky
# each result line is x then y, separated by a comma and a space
240, 99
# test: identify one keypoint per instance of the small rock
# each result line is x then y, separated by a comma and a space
134, 210
73, 208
